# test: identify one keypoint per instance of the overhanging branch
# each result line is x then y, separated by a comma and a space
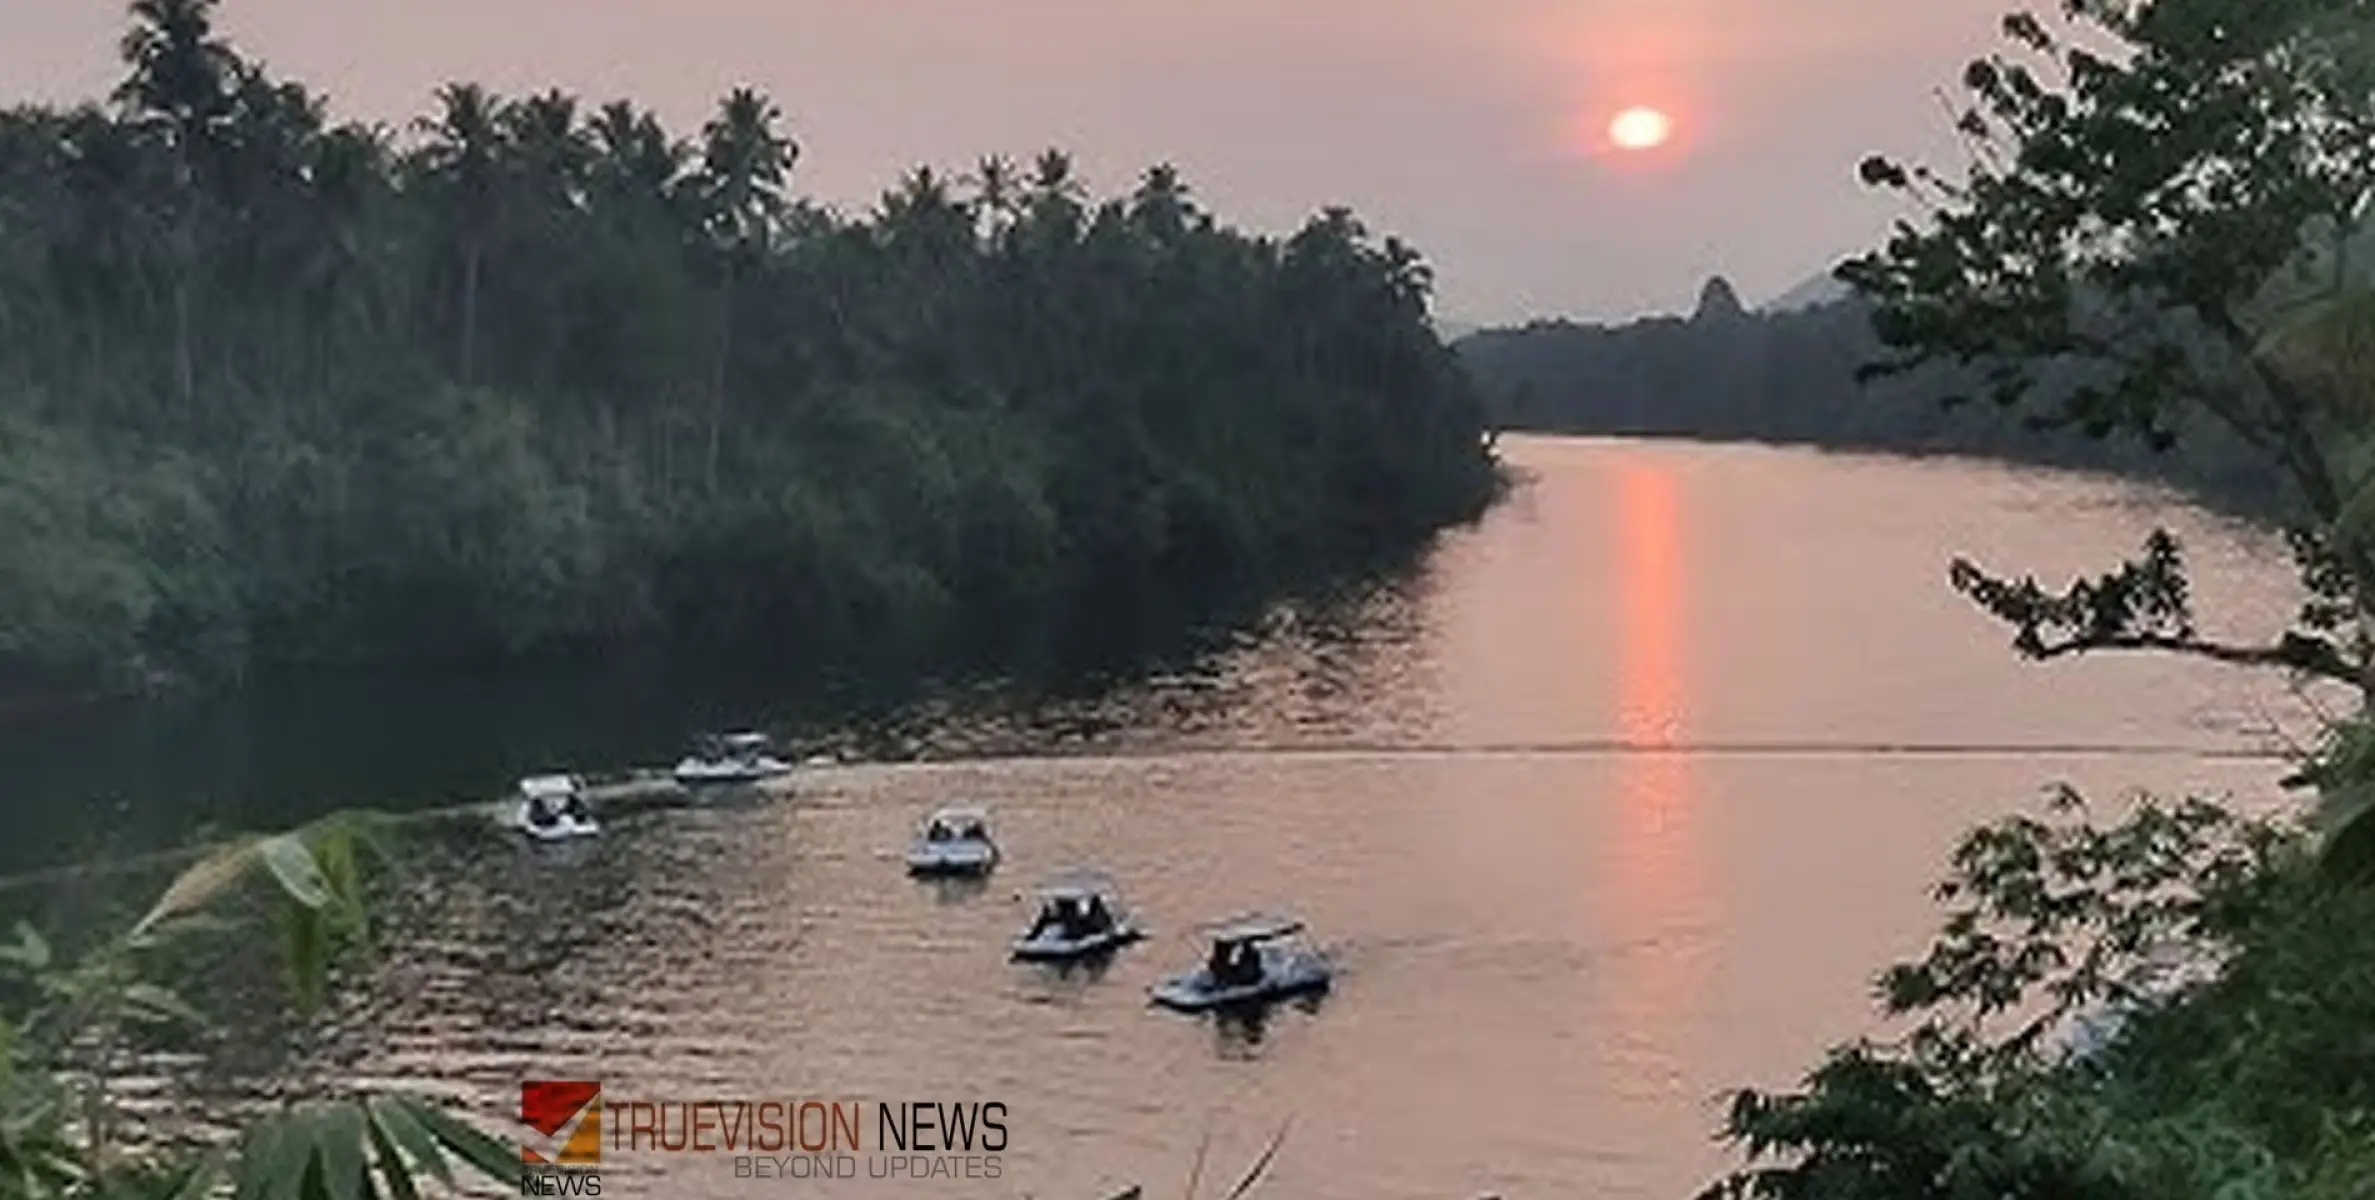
2306, 655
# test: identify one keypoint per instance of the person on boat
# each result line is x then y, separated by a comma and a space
574, 808
1098, 919
939, 832
1048, 918
1223, 966
1248, 969
540, 813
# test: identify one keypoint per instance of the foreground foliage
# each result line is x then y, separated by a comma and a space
2164, 228
2164, 215
67, 1027
540, 376
2222, 994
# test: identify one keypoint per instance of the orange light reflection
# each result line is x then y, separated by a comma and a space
1659, 892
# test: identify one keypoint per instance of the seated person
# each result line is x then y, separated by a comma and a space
1249, 963
1098, 919
1049, 917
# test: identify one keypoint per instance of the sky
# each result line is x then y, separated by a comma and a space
1474, 129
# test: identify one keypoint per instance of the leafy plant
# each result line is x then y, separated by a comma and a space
2169, 1007
57, 1052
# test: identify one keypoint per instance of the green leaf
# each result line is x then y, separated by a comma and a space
393, 1116
491, 1157
148, 1001
394, 1173
295, 869
30, 951
2357, 518
2349, 849
306, 955
196, 1179
203, 1178
272, 1161
339, 1132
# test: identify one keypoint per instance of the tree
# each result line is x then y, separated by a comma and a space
2130, 225
745, 164
455, 366
180, 86
462, 157
2151, 237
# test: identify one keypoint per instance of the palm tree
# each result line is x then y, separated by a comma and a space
634, 159
182, 75
551, 151
997, 194
463, 156
1160, 206
745, 164
180, 87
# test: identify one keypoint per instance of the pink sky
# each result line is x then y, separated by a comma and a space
1470, 128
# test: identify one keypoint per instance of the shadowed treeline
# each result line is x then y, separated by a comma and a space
537, 375
1730, 374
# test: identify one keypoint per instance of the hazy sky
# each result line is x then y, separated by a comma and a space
1471, 127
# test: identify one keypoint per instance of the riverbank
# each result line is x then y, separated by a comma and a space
1792, 378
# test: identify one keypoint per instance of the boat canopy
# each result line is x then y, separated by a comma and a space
745, 741
548, 787
1254, 927
1082, 884
961, 818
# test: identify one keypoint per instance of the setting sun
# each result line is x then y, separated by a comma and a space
1640, 128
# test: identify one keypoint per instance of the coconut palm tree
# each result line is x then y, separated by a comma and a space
463, 157
634, 159
180, 88
745, 165
997, 196
551, 153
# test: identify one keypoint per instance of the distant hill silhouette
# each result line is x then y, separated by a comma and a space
1813, 293
1789, 376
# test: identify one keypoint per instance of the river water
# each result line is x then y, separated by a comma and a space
1617, 802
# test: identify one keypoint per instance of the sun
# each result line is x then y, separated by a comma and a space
1640, 129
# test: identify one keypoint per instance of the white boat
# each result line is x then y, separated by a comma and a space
955, 841
1254, 958
1080, 914
552, 808
731, 758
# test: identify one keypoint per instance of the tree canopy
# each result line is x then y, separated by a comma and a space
2161, 232
538, 374
2155, 189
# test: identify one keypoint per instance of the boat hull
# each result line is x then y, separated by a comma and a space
1061, 949
697, 773
951, 858
565, 829
1295, 975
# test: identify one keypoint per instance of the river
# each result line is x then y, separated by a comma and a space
1616, 802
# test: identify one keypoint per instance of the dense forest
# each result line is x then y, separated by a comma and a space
1792, 376
537, 375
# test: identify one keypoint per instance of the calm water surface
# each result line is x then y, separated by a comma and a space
1618, 803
